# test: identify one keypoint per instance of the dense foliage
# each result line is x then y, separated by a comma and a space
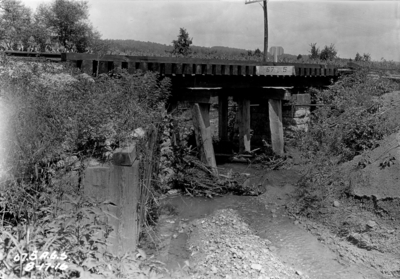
58, 26
69, 21
349, 120
58, 119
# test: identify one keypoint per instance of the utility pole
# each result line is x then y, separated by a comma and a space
265, 31
265, 58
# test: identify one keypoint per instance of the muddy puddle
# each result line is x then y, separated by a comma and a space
266, 216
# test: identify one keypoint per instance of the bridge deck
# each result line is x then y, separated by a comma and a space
188, 66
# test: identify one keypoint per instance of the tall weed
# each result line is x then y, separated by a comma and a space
60, 119
347, 122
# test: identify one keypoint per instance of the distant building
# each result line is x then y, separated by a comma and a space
278, 49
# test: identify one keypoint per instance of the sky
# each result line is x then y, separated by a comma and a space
352, 26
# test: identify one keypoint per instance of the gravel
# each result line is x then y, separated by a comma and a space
223, 246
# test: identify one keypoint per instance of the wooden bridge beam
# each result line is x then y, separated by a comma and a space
202, 128
223, 117
87, 67
243, 120
200, 98
276, 127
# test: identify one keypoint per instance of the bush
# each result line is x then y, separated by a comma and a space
348, 122
59, 118
60, 113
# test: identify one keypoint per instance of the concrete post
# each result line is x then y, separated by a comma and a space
118, 182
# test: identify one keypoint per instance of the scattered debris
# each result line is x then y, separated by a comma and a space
197, 179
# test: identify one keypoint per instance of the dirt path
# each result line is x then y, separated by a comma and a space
253, 237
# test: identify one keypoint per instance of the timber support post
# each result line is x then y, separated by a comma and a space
172, 109
243, 118
202, 128
276, 126
223, 117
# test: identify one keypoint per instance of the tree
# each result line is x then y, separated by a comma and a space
182, 45
314, 52
328, 53
365, 57
15, 21
67, 21
257, 52
299, 57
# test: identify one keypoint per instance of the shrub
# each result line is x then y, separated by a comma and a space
348, 121
60, 118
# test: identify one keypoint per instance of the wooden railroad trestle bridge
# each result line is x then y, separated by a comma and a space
197, 80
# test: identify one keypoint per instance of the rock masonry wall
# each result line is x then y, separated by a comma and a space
295, 117
298, 116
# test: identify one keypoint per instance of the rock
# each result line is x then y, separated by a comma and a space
86, 77
272, 248
173, 192
296, 222
299, 273
139, 133
302, 112
93, 162
336, 204
256, 266
300, 121
371, 224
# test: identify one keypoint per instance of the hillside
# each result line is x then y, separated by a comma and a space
139, 48
133, 46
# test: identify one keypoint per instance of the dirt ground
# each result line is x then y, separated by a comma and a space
258, 237
354, 236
